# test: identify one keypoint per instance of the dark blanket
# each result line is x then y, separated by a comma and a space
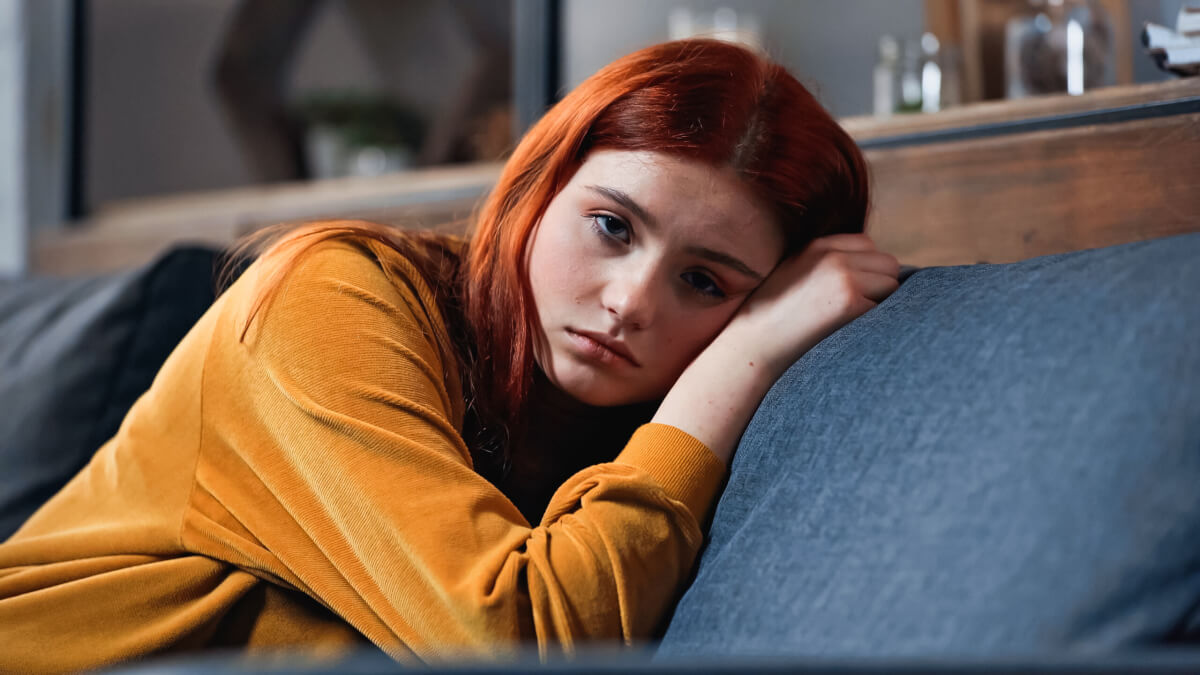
74, 356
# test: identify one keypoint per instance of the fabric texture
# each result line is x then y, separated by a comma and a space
75, 354
307, 486
998, 459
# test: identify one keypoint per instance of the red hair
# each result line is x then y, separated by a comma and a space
702, 99
705, 100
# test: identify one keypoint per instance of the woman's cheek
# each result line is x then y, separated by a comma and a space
704, 332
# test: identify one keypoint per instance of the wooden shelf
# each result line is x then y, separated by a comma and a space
129, 233
993, 112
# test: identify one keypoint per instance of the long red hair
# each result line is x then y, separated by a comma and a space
705, 100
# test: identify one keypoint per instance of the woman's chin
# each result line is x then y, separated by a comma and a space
594, 391
596, 385
600, 397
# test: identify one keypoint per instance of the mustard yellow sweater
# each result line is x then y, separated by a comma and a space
308, 487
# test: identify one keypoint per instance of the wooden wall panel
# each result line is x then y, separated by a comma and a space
1013, 197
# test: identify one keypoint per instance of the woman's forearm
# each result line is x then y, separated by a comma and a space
806, 297
715, 397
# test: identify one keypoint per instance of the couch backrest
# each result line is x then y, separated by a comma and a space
998, 459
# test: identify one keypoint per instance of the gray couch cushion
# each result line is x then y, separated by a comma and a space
998, 459
75, 354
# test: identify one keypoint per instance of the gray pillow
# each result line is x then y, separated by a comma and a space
999, 459
75, 354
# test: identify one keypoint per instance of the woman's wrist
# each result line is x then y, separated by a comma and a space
715, 397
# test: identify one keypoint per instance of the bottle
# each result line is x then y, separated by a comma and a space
886, 76
931, 74
911, 75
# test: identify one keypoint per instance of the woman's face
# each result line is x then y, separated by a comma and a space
637, 264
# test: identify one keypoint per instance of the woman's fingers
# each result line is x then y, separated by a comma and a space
844, 242
810, 295
874, 261
859, 252
877, 286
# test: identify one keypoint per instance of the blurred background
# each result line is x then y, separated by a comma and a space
205, 119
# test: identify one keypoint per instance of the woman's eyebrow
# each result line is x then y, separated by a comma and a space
724, 259
626, 201
700, 251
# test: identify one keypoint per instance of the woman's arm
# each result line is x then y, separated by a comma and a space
331, 462
806, 298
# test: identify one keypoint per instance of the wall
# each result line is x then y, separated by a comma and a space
830, 45
155, 126
13, 211
35, 48
152, 122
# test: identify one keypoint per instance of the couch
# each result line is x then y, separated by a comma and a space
996, 468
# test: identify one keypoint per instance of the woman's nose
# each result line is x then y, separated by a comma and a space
630, 296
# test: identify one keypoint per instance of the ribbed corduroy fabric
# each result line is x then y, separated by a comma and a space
307, 487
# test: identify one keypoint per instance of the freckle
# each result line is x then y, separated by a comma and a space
751, 364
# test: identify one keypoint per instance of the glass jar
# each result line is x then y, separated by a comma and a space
1059, 46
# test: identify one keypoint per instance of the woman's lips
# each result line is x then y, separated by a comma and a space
601, 347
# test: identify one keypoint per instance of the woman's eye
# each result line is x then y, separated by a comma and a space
611, 226
703, 284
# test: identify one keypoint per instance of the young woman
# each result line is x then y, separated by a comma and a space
443, 447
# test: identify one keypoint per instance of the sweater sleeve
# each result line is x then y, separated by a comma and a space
333, 462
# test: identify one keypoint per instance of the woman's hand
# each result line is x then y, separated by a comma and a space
806, 298
810, 295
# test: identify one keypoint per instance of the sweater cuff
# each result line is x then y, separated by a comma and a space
684, 467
